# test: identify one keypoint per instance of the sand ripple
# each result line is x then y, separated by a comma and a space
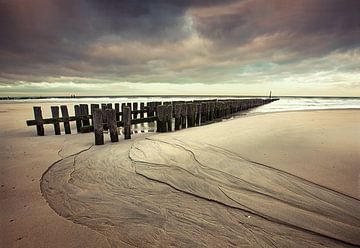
161, 191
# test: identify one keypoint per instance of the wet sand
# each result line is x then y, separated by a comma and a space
279, 180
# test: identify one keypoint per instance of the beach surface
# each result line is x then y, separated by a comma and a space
288, 179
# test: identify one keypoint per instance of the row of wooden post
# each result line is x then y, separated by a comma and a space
186, 114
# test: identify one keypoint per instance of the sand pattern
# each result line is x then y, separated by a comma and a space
164, 191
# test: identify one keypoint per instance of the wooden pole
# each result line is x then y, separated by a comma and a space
169, 115
78, 118
183, 115
111, 123
92, 107
117, 111
177, 109
39, 121
127, 122
198, 114
84, 110
191, 114
161, 118
98, 127
55, 114
135, 108
142, 108
65, 115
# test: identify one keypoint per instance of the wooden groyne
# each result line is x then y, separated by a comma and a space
108, 117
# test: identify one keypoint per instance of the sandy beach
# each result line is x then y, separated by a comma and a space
288, 179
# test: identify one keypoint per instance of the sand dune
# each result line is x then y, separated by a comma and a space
210, 186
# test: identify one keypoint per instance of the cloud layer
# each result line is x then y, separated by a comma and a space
251, 44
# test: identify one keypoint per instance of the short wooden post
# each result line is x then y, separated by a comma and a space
55, 114
98, 126
183, 115
169, 115
78, 118
142, 109
111, 123
177, 110
39, 121
109, 106
65, 116
135, 108
127, 122
161, 118
84, 110
117, 111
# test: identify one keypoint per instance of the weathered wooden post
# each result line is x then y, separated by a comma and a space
78, 118
191, 114
55, 114
142, 108
169, 115
122, 111
98, 126
84, 111
150, 109
183, 115
161, 118
127, 122
212, 111
109, 106
111, 123
177, 110
39, 121
197, 113
92, 107
117, 111
103, 109
135, 109
203, 112
65, 116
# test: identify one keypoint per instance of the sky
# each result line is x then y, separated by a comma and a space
180, 47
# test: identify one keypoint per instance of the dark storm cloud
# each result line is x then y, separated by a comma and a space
240, 23
38, 33
163, 40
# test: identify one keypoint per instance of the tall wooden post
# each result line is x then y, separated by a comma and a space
169, 115
198, 109
191, 114
127, 122
135, 108
117, 111
84, 110
78, 118
161, 123
65, 115
55, 114
98, 127
92, 107
177, 110
111, 123
39, 121
142, 108
183, 115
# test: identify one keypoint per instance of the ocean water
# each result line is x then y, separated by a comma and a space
284, 104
